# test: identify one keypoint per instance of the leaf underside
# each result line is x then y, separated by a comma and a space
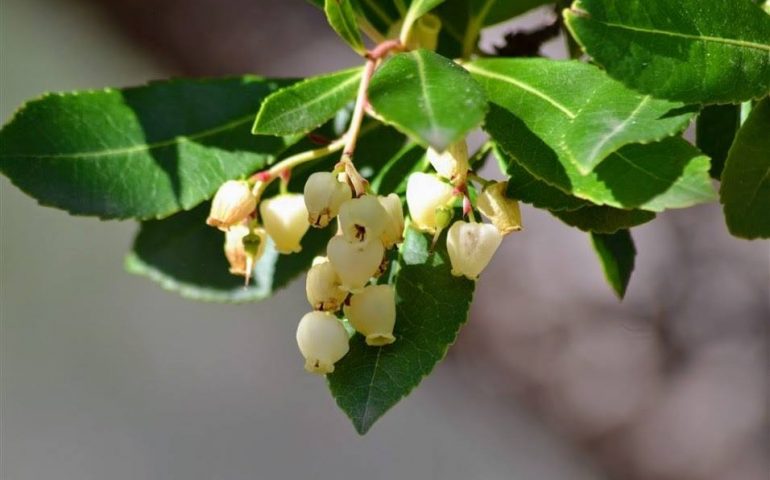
617, 255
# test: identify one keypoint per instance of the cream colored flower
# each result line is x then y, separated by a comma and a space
362, 219
323, 287
502, 211
394, 226
425, 194
232, 204
355, 263
324, 195
372, 312
243, 248
471, 247
285, 219
452, 163
322, 340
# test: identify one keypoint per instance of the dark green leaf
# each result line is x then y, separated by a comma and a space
342, 18
603, 219
432, 305
578, 110
142, 152
186, 256
617, 254
715, 130
306, 105
667, 174
422, 93
392, 177
745, 189
695, 51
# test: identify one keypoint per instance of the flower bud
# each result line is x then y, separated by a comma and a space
502, 211
323, 287
243, 248
372, 312
285, 219
322, 340
471, 247
324, 195
355, 263
452, 163
232, 203
424, 33
394, 226
424, 193
362, 219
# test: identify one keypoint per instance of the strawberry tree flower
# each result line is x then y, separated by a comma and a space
286, 221
471, 247
323, 286
324, 195
425, 195
372, 312
322, 340
243, 248
232, 204
452, 163
393, 232
355, 263
501, 210
362, 219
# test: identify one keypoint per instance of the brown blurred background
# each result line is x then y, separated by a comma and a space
104, 375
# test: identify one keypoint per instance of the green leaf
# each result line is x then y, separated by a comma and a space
579, 111
417, 9
393, 175
421, 94
690, 50
667, 174
616, 253
431, 307
715, 131
342, 18
186, 256
745, 190
308, 104
142, 152
600, 219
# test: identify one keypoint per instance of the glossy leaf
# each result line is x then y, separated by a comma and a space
690, 50
142, 152
342, 18
393, 175
431, 307
421, 93
578, 110
601, 219
186, 256
658, 176
715, 131
617, 255
308, 104
745, 190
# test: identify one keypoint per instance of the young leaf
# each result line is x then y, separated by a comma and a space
667, 174
585, 114
422, 94
617, 254
417, 9
342, 18
431, 307
600, 219
745, 190
715, 131
144, 152
306, 105
186, 256
690, 50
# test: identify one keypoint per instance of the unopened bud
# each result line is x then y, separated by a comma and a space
243, 248
394, 226
471, 247
424, 33
355, 263
324, 195
424, 193
502, 211
451, 163
322, 340
232, 203
285, 219
443, 217
362, 219
372, 312
323, 287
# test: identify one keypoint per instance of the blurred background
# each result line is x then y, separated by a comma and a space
103, 375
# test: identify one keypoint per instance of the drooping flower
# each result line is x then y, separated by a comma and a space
425, 195
471, 247
323, 287
285, 219
232, 204
372, 312
362, 219
322, 340
502, 211
394, 226
324, 195
355, 263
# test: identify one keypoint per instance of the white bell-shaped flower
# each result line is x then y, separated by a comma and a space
285, 219
362, 219
502, 211
323, 341
232, 203
243, 248
425, 194
471, 247
372, 312
324, 195
355, 263
452, 162
394, 226
323, 287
